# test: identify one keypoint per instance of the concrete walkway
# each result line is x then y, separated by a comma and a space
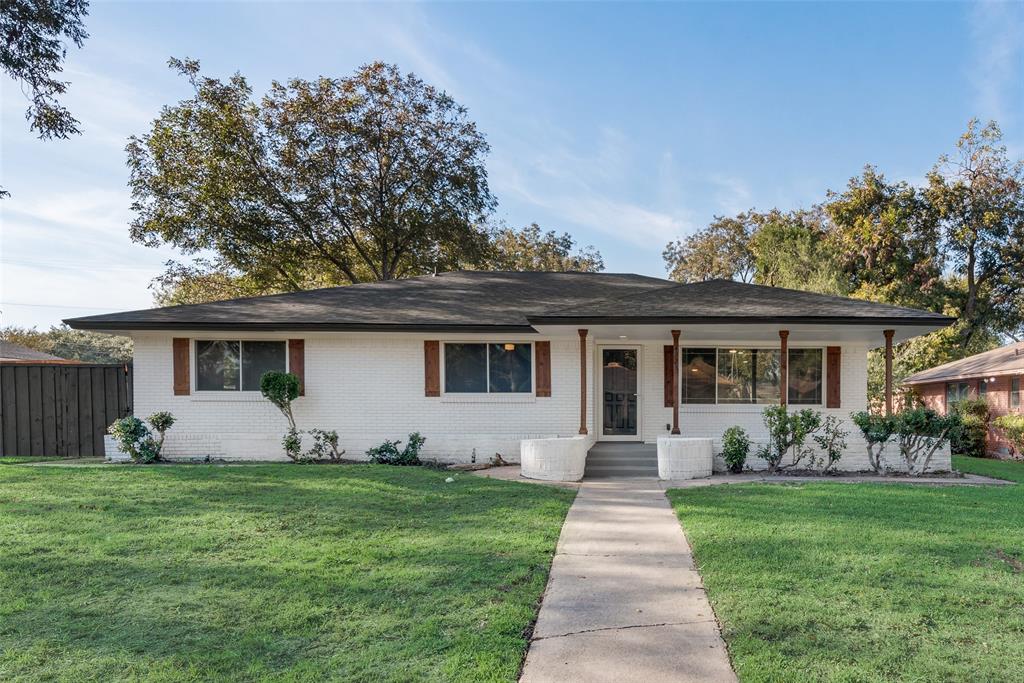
624, 602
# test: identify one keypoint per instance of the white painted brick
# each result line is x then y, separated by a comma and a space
369, 387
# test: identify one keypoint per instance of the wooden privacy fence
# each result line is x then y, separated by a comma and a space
61, 410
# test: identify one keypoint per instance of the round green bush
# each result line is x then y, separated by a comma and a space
735, 447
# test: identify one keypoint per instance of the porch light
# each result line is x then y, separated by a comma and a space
510, 347
622, 336
732, 350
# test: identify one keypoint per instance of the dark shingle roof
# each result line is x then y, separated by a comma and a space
462, 300
486, 300
1006, 360
728, 300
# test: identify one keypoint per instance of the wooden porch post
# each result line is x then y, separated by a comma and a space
675, 381
888, 370
583, 381
784, 368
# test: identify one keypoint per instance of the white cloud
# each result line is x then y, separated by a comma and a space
68, 253
997, 30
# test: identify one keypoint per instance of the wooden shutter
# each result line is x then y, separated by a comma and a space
432, 368
297, 362
832, 376
669, 396
542, 367
179, 353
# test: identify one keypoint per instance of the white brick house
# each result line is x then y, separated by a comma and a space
478, 361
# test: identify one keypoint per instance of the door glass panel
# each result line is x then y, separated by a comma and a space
618, 368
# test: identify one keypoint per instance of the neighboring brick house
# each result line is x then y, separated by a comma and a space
479, 361
996, 375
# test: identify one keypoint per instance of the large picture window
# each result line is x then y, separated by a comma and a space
751, 376
748, 375
230, 365
488, 368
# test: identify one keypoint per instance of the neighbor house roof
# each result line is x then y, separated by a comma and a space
1006, 360
10, 351
511, 301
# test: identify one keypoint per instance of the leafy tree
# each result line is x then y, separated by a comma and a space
373, 177
721, 250
212, 280
792, 250
531, 249
32, 52
978, 199
886, 241
62, 341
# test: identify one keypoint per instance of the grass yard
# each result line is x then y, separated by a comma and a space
21, 459
269, 572
865, 582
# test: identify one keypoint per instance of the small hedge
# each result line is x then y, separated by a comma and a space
1012, 427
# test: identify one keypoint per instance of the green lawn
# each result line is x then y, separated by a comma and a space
21, 459
271, 572
866, 582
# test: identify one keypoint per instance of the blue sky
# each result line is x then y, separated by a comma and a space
627, 125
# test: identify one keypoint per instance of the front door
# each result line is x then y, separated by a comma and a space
619, 368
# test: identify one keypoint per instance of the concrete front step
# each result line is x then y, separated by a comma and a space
610, 460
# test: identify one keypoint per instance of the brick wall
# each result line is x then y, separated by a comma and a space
998, 396
369, 387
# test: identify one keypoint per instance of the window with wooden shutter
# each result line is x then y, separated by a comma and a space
432, 368
542, 369
179, 355
297, 362
833, 377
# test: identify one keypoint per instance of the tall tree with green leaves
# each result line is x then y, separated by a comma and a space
886, 240
376, 176
532, 249
791, 249
720, 251
977, 196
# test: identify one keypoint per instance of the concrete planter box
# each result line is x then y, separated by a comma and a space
112, 452
684, 458
553, 459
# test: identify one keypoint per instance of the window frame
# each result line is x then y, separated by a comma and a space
487, 369
1015, 398
194, 362
959, 383
718, 347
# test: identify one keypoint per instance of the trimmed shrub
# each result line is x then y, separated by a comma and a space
388, 452
281, 388
877, 430
787, 432
1012, 427
920, 432
735, 447
136, 439
832, 442
972, 434
325, 445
